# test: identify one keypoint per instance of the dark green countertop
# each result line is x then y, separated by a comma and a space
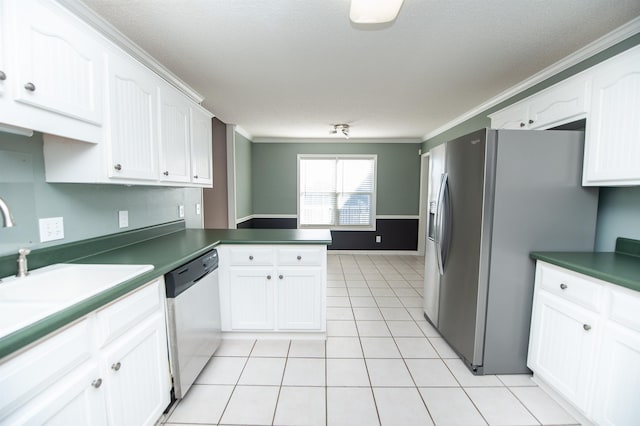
621, 267
165, 252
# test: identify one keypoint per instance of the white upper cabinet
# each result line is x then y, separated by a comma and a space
3, 53
559, 104
201, 147
133, 120
53, 71
174, 135
612, 154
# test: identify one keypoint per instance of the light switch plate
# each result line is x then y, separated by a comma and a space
123, 218
198, 209
181, 210
378, 238
51, 229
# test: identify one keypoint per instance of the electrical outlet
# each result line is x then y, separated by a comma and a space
51, 229
123, 218
181, 210
198, 209
378, 238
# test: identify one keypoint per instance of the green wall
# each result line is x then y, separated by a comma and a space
243, 167
88, 210
274, 180
618, 208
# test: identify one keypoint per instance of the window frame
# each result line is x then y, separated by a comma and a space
372, 225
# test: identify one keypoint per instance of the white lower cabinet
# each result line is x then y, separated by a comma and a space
260, 291
111, 368
586, 352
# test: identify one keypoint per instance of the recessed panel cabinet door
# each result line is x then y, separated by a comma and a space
201, 147
136, 378
174, 136
251, 291
299, 298
612, 145
562, 346
59, 66
133, 118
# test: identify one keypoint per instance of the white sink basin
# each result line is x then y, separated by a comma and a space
47, 290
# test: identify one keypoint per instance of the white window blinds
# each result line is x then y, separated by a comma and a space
337, 191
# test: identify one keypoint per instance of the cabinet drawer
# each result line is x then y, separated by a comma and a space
624, 308
570, 286
251, 255
299, 256
33, 371
123, 315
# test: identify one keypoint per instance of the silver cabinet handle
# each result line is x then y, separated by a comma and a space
250, 257
299, 257
118, 167
563, 286
522, 124
96, 383
30, 87
281, 276
116, 366
268, 277
530, 121
166, 173
3, 76
195, 176
587, 327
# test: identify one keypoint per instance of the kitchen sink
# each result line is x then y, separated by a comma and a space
48, 290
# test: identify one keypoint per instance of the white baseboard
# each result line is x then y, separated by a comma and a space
373, 252
270, 335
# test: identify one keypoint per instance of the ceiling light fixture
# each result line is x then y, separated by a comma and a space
340, 128
374, 11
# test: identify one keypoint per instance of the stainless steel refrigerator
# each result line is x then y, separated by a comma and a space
501, 194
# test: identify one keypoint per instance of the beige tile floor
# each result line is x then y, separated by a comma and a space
382, 364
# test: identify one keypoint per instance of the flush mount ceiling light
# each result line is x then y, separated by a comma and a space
341, 128
374, 11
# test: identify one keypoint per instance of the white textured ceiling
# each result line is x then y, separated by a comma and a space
291, 68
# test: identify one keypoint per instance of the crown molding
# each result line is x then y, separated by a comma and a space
112, 34
243, 132
337, 140
621, 33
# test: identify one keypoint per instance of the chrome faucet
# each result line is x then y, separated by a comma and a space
23, 268
6, 214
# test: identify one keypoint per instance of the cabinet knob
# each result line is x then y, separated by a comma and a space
299, 257
118, 167
96, 383
268, 277
530, 121
166, 173
250, 257
587, 327
563, 286
195, 176
30, 87
281, 276
522, 124
116, 366
3, 76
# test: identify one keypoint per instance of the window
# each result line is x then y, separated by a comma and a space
337, 192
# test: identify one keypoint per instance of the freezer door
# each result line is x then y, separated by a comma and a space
462, 288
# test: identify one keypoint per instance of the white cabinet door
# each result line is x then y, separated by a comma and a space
514, 117
201, 147
612, 147
251, 294
59, 66
562, 346
563, 103
616, 400
175, 164
136, 372
3, 52
77, 399
133, 120
299, 293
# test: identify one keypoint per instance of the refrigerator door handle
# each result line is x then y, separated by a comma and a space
439, 222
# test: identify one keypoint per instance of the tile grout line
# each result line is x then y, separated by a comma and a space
237, 381
284, 370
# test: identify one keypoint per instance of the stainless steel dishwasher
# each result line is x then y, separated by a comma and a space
193, 320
